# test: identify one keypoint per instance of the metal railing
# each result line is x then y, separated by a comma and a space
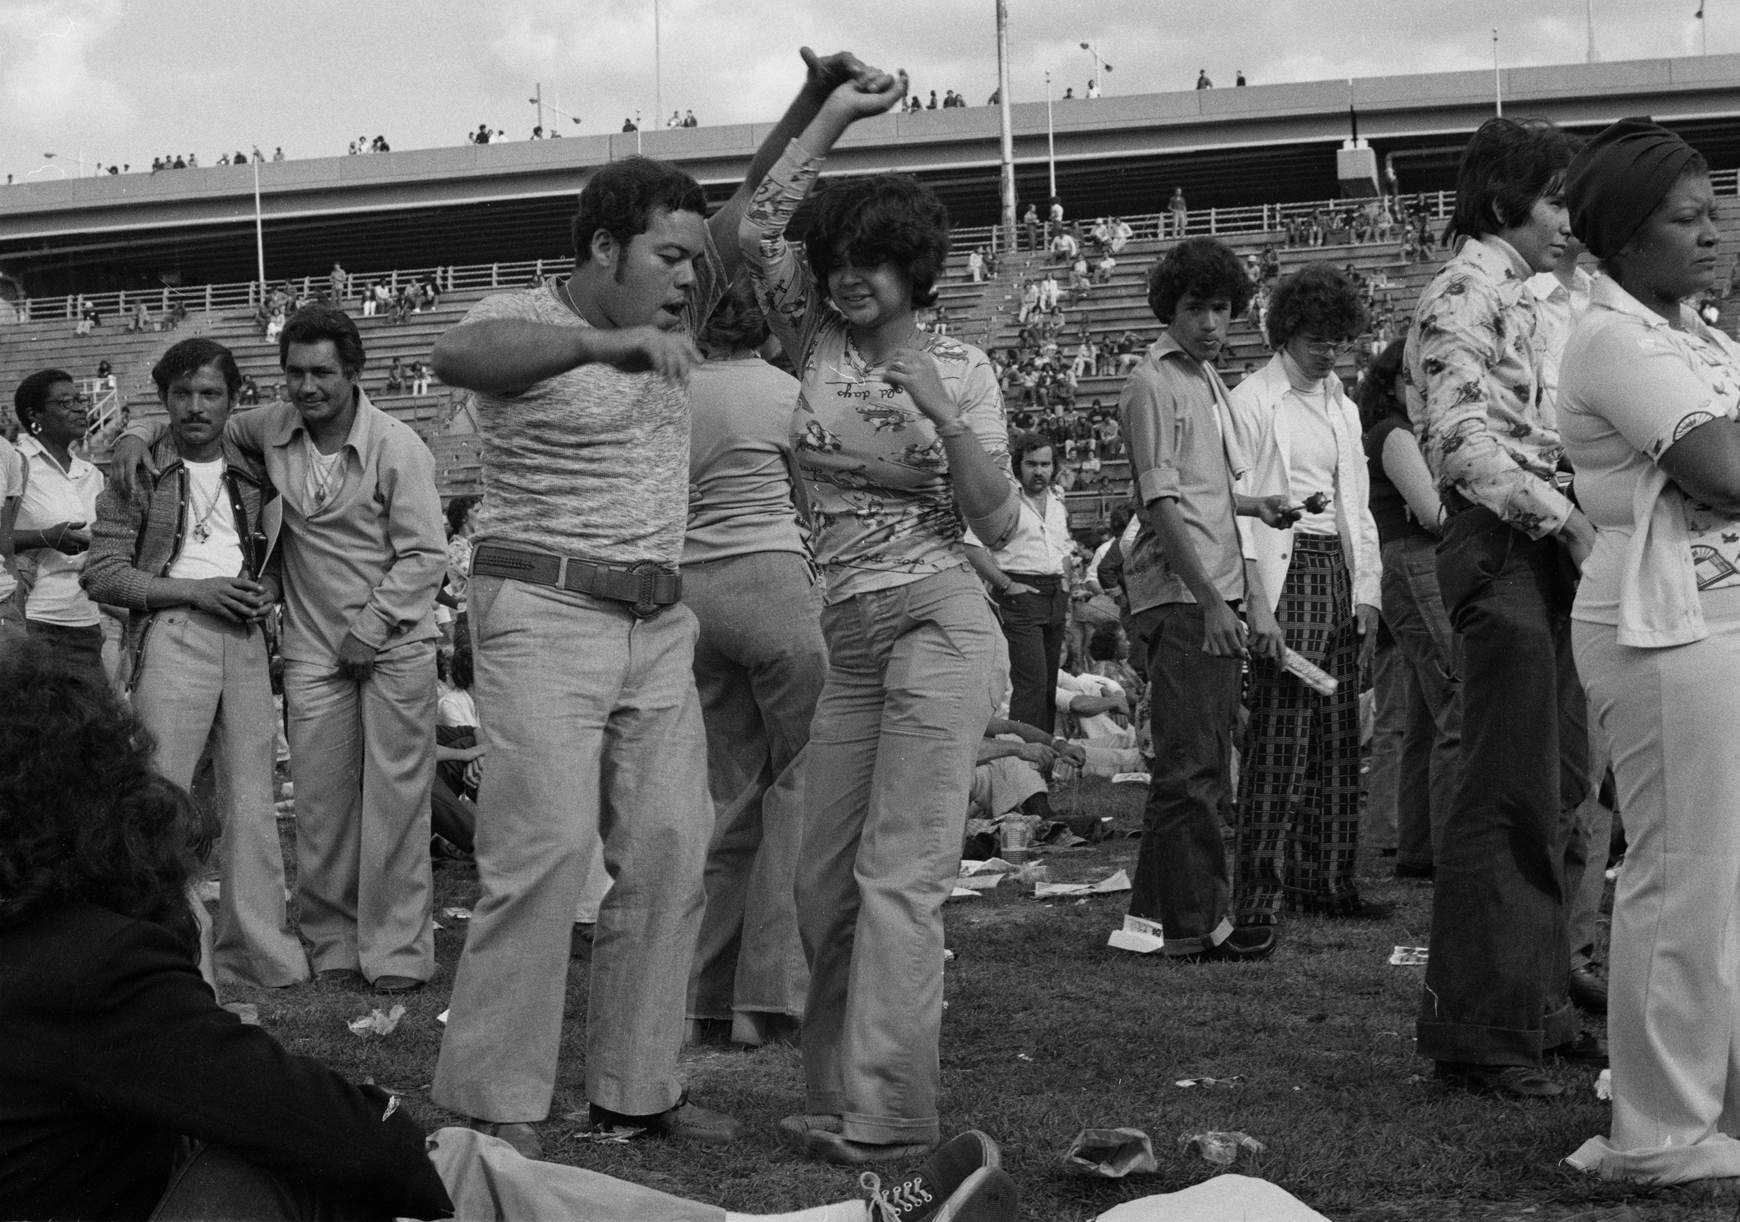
449, 278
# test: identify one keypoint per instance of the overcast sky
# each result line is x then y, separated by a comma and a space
123, 80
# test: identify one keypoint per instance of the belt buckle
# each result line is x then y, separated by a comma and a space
646, 574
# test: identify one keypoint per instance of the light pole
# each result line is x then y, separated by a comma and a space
637, 132
1101, 67
79, 161
537, 99
1008, 132
1050, 141
1497, 80
259, 232
658, 66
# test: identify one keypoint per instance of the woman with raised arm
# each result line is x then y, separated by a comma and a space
1649, 407
901, 443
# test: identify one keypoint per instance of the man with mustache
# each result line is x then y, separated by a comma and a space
185, 555
363, 554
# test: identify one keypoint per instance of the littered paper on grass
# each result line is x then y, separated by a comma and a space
963, 893
1221, 1149
1604, 1085
377, 1023
1113, 1153
1130, 778
1408, 956
1119, 881
1139, 934
1232, 1081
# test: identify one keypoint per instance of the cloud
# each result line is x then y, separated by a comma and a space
46, 54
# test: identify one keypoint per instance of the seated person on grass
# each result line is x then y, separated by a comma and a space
128, 1093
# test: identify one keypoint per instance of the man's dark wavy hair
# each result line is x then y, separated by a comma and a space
84, 817
1315, 299
1023, 444
622, 197
1507, 166
1376, 394
736, 323
313, 323
189, 357
884, 218
1201, 266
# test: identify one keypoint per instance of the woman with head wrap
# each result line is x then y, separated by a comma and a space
1648, 403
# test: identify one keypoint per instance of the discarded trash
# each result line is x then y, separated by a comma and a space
442, 1017
1221, 1149
1016, 838
1033, 872
1113, 1153
948, 956
1232, 1081
377, 1023
1138, 934
1408, 956
995, 865
247, 1011
979, 882
1309, 673
286, 808
1130, 778
1022, 1056
1604, 1085
1119, 881
458, 914
963, 893
437, 924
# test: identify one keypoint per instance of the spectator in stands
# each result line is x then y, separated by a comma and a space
1048, 292
363, 554
1299, 786
1064, 247
369, 303
1026, 575
277, 154
1186, 579
1648, 409
1239, 82
1104, 268
419, 378
689, 119
1030, 222
1202, 81
1495, 998
186, 556
340, 282
51, 534
911, 641
628, 125
976, 265
539, 360
1029, 299
1054, 217
1180, 212
395, 383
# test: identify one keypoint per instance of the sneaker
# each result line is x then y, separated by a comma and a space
1509, 1081
918, 1196
397, 984
1589, 990
687, 1121
1586, 1049
522, 1137
988, 1195
834, 1148
1246, 944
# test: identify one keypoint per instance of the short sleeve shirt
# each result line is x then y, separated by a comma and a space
51, 496
11, 486
1631, 387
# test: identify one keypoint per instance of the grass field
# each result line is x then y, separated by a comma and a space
1049, 1031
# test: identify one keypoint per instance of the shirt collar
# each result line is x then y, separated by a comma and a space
364, 430
1496, 257
29, 446
1546, 285
1605, 292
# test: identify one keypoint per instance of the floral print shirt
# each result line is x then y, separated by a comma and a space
1474, 391
882, 508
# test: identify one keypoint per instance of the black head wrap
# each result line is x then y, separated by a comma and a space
1618, 179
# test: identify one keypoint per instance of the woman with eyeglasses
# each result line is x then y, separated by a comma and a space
52, 532
1298, 808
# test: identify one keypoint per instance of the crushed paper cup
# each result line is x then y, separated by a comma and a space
1221, 1149
1232, 1081
1119, 881
458, 914
1112, 1153
1408, 956
377, 1023
1130, 778
1604, 1085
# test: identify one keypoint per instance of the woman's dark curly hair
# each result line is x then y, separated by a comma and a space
84, 817
1376, 394
885, 218
735, 325
1200, 266
1315, 299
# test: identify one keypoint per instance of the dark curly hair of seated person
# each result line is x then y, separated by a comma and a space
84, 817
1315, 300
885, 218
1199, 267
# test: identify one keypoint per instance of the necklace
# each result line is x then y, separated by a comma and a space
201, 532
322, 467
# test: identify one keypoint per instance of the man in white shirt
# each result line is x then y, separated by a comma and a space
187, 554
1561, 295
1027, 574
11, 491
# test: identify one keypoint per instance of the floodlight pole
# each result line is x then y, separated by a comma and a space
658, 69
1050, 141
259, 232
1497, 81
1008, 131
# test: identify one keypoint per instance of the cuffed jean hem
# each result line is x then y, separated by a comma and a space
880, 1130
1469, 1044
1178, 948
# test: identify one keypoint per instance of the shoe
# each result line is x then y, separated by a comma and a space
522, 1137
1589, 990
1365, 910
834, 1148
1410, 869
1509, 1081
918, 1196
1588, 1050
1246, 944
987, 1196
802, 1124
1386, 852
580, 941
338, 975
984, 1194
687, 1121
397, 984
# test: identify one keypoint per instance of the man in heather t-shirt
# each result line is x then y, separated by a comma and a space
584, 656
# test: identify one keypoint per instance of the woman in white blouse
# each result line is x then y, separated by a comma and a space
1648, 401
1298, 809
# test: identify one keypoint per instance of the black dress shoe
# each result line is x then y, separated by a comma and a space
1246, 944
1508, 1081
1589, 990
1412, 869
1587, 1049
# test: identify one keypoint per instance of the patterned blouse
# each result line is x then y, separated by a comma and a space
1474, 389
881, 505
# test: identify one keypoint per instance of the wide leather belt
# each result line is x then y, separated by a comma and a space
646, 586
